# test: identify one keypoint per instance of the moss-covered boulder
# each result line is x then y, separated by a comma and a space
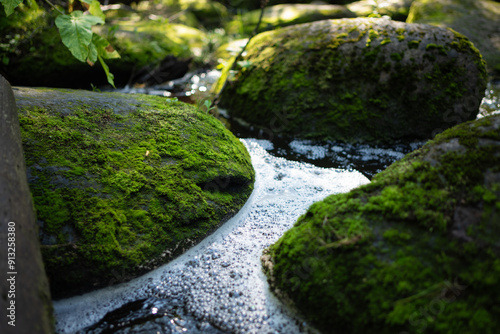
256, 4
123, 183
285, 15
417, 249
476, 19
195, 13
211, 14
147, 42
395, 9
356, 80
32, 54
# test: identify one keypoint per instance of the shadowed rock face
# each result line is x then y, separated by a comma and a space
421, 239
122, 183
356, 80
27, 287
476, 19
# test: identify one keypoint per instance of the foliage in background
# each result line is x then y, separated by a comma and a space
76, 33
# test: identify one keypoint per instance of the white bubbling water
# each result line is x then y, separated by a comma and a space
490, 104
219, 282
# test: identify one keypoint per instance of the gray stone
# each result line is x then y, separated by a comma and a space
356, 80
479, 20
29, 288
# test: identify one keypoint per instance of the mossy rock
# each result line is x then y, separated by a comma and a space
228, 50
147, 42
197, 14
256, 4
211, 14
395, 9
476, 19
123, 183
286, 15
32, 54
416, 249
356, 80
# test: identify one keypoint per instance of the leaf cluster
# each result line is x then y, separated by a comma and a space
76, 33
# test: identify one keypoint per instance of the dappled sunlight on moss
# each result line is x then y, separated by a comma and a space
415, 249
118, 188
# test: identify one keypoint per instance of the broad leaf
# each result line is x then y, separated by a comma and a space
104, 49
109, 75
76, 32
92, 57
95, 9
10, 5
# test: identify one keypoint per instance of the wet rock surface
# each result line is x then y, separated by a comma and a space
416, 249
218, 286
356, 80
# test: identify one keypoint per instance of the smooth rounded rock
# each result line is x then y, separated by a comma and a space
476, 19
122, 183
356, 80
415, 250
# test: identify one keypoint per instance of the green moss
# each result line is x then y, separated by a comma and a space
114, 189
397, 56
397, 255
31, 52
29, 39
385, 41
440, 48
282, 15
413, 44
385, 88
476, 19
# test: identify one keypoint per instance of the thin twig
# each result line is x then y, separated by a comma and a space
53, 6
254, 32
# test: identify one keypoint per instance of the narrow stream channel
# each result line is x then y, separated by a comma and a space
218, 286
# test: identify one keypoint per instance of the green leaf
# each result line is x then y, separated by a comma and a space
10, 5
76, 32
95, 9
92, 58
104, 49
109, 75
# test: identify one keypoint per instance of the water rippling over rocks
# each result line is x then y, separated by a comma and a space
217, 286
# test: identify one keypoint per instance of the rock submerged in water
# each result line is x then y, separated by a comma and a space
416, 249
123, 183
356, 80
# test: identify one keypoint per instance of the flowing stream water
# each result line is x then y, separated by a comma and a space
218, 286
